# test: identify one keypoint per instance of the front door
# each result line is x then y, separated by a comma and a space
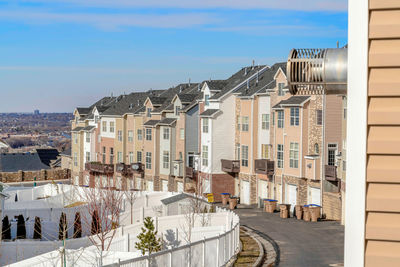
245, 192
164, 185
315, 195
291, 196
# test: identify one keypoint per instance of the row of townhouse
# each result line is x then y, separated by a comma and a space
245, 135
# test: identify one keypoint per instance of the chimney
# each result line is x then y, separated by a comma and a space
245, 71
189, 82
253, 64
180, 89
138, 102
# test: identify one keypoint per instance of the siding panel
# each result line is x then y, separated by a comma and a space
383, 140
384, 4
384, 111
383, 169
382, 254
384, 24
383, 197
384, 82
384, 53
383, 226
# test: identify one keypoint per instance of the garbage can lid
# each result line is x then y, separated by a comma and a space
314, 205
225, 194
306, 205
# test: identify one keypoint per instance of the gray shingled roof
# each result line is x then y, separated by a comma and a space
14, 162
47, 154
77, 129
67, 152
88, 128
216, 85
236, 79
157, 101
187, 98
167, 121
127, 104
176, 198
292, 101
83, 111
151, 123
265, 81
209, 112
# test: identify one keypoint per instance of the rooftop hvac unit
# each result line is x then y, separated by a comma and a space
317, 71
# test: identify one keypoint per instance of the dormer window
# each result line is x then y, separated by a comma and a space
177, 109
280, 89
149, 112
207, 100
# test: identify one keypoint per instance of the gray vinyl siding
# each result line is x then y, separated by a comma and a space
192, 131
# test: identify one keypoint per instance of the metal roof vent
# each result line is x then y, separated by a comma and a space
317, 71
198, 87
245, 71
248, 83
130, 106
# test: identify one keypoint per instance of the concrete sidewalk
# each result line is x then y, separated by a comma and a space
298, 243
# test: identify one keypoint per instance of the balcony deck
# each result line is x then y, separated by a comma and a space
231, 166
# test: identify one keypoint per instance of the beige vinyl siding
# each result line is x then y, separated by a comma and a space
382, 231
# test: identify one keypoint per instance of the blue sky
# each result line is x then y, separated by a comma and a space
59, 54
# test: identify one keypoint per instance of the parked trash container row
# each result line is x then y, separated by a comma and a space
311, 212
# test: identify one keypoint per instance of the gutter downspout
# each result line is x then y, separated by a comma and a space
323, 154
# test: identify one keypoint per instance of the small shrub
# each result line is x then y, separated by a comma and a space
96, 226
6, 229
37, 229
77, 226
21, 229
62, 227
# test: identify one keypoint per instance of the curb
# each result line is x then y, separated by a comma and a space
271, 249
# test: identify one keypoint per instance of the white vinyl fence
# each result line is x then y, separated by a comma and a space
208, 251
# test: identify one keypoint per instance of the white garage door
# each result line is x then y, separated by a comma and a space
262, 189
138, 183
291, 196
150, 186
180, 187
314, 195
165, 185
245, 192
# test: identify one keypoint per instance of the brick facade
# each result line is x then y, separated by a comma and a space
332, 204
21, 176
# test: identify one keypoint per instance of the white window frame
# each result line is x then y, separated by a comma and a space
206, 122
294, 155
112, 127
279, 156
182, 133
87, 135
148, 160
204, 156
281, 119
245, 124
119, 135
139, 134
104, 126
131, 159
166, 159
245, 156
130, 136
148, 134
166, 133
265, 121
139, 156
294, 116
280, 89
87, 156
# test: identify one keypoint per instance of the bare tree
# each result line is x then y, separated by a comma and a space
131, 196
104, 205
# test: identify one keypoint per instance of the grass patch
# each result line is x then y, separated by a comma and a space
250, 251
75, 204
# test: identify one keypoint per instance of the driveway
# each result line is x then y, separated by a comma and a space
298, 243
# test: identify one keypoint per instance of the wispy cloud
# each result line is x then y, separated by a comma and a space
285, 30
303, 5
111, 21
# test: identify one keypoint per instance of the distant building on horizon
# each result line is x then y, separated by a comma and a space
36, 112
